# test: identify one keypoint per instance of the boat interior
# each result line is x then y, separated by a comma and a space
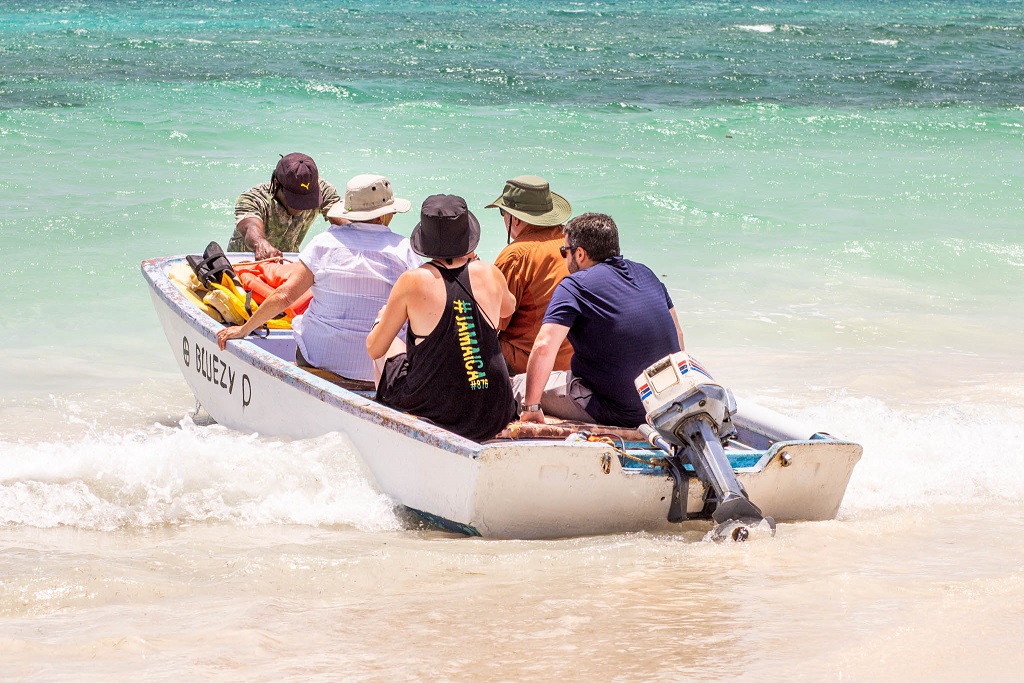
634, 451
279, 341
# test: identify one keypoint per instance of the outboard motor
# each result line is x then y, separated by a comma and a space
690, 418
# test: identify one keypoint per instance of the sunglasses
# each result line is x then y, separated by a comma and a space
563, 250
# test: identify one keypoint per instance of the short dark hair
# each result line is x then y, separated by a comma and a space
596, 233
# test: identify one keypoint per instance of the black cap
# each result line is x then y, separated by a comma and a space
447, 228
299, 180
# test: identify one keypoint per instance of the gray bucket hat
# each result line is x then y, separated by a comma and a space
529, 198
447, 228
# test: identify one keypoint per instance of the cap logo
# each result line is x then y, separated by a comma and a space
305, 186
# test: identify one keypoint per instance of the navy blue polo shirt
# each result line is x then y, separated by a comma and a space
617, 312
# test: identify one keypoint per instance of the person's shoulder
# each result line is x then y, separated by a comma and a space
404, 248
634, 264
567, 294
537, 241
260, 191
412, 280
397, 239
574, 282
422, 273
398, 244
637, 268
539, 234
513, 252
328, 197
327, 238
589, 279
480, 266
526, 251
255, 201
491, 274
319, 246
597, 271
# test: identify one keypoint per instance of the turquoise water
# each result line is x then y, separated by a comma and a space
833, 191
831, 174
635, 54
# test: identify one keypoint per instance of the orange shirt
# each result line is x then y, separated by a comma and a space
533, 268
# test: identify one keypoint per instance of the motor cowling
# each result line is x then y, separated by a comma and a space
692, 415
677, 389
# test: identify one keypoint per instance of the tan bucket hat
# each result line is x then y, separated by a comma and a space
529, 198
368, 196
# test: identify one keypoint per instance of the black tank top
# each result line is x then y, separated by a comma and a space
457, 377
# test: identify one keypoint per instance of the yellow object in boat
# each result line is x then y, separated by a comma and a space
199, 303
225, 305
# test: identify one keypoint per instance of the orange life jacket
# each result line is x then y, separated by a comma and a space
263, 277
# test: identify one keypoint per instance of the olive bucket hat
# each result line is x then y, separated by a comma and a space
529, 198
447, 228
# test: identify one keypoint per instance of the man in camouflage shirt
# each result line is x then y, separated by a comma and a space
275, 216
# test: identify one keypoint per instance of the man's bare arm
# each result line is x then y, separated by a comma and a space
538, 368
253, 236
679, 328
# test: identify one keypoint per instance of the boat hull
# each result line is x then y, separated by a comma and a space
509, 489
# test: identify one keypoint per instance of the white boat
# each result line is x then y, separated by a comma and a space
511, 487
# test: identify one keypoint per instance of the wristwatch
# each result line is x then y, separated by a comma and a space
532, 408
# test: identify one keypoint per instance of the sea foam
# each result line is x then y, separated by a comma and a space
194, 474
188, 474
950, 454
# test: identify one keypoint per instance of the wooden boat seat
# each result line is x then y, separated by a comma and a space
343, 382
555, 428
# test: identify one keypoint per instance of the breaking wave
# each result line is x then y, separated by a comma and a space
951, 454
191, 473
187, 474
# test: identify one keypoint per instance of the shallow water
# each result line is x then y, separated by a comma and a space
832, 192
887, 595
